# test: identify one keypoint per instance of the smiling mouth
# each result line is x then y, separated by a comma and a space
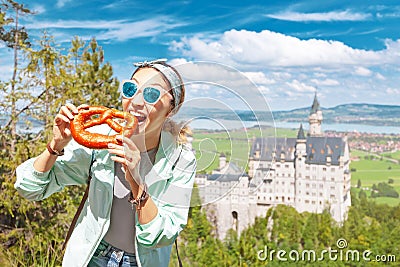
140, 117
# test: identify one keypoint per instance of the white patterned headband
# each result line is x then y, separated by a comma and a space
172, 77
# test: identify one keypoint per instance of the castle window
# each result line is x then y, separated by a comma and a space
320, 194
324, 169
332, 179
320, 202
306, 201
312, 202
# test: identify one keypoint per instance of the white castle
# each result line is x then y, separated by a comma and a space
310, 173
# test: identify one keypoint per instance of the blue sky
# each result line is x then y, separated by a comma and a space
349, 51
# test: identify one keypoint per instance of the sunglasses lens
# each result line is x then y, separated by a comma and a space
129, 89
151, 95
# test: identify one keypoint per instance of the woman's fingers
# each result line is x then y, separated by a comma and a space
60, 119
83, 106
66, 112
117, 152
72, 108
119, 159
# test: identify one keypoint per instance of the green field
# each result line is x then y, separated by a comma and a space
393, 155
369, 168
373, 169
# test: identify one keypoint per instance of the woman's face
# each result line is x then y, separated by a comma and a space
150, 116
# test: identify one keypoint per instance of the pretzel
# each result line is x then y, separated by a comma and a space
96, 115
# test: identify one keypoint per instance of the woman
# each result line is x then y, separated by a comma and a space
140, 191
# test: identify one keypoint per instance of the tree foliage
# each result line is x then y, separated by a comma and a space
32, 233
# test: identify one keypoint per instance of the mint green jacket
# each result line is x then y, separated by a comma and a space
170, 183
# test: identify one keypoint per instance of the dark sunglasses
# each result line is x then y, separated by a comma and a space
129, 89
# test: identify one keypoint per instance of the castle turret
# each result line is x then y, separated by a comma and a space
300, 147
315, 118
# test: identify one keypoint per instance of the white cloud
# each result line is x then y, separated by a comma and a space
380, 77
282, 75
325, 82
39, 9
119, 30
361, 71
300, 86
259, 78
346, 15
255, 50
61, 3
393, 91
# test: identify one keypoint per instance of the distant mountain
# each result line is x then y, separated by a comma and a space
369, 114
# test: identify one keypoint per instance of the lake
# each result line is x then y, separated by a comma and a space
220, 124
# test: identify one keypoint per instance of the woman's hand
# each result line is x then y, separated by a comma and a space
61, 126
129, 156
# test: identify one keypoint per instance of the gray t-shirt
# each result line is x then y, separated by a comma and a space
121, 233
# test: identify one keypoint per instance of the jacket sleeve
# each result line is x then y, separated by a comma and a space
70, 169
173, 207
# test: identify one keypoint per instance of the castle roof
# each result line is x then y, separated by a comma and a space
318, 149
300, 134
269, 146
315, 105
231, 174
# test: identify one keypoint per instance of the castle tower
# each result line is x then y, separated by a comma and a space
300, 147
315, 118
300, 155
